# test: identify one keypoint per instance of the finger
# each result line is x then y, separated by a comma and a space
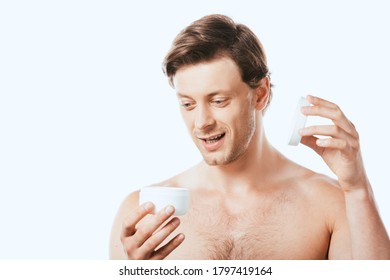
311, 142
144, 232
325, 130
321, 111
320, 102
333, 143
334, 114
128, 226
164, 251
158, 237
349, 126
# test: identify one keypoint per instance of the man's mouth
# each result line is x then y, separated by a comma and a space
213, 139
214, 142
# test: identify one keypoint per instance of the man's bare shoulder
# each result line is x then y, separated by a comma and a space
320, 193
318, 183
315, 185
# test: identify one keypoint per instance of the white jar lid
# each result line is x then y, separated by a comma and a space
299, 121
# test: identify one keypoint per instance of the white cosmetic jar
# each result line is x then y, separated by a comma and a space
164, 196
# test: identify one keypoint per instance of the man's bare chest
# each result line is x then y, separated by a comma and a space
256, 232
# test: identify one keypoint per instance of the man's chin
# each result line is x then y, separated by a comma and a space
215, 157
219, 158
213, 161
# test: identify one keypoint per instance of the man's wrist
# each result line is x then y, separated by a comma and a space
360, 185
362, 192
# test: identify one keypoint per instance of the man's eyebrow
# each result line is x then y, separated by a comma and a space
182, 95
211, 94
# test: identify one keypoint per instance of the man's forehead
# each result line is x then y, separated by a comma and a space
219, 75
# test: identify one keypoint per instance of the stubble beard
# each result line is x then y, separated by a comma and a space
232, 153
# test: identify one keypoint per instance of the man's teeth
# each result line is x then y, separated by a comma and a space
214, 139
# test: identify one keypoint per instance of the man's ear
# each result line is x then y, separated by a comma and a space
262, 93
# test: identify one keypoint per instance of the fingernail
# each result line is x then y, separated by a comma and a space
175, 222
169, 210
320, 142
148, 206
301, 131
180, 237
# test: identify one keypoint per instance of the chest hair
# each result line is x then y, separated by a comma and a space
251, 233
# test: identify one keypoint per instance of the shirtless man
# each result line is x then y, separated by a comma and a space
247, 200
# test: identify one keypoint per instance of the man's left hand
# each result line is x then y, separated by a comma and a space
340, 148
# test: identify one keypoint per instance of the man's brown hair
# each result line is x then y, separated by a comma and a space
216, 36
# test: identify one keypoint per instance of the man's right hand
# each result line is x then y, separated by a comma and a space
141, 241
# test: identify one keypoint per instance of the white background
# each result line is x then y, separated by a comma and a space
86, 115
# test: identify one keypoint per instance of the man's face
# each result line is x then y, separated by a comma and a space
218, 109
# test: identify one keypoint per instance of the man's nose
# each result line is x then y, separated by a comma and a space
203, 118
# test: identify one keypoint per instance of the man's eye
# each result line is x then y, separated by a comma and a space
187, 105
219, 102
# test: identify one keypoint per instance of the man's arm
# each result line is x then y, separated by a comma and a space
368, 234
341, 152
